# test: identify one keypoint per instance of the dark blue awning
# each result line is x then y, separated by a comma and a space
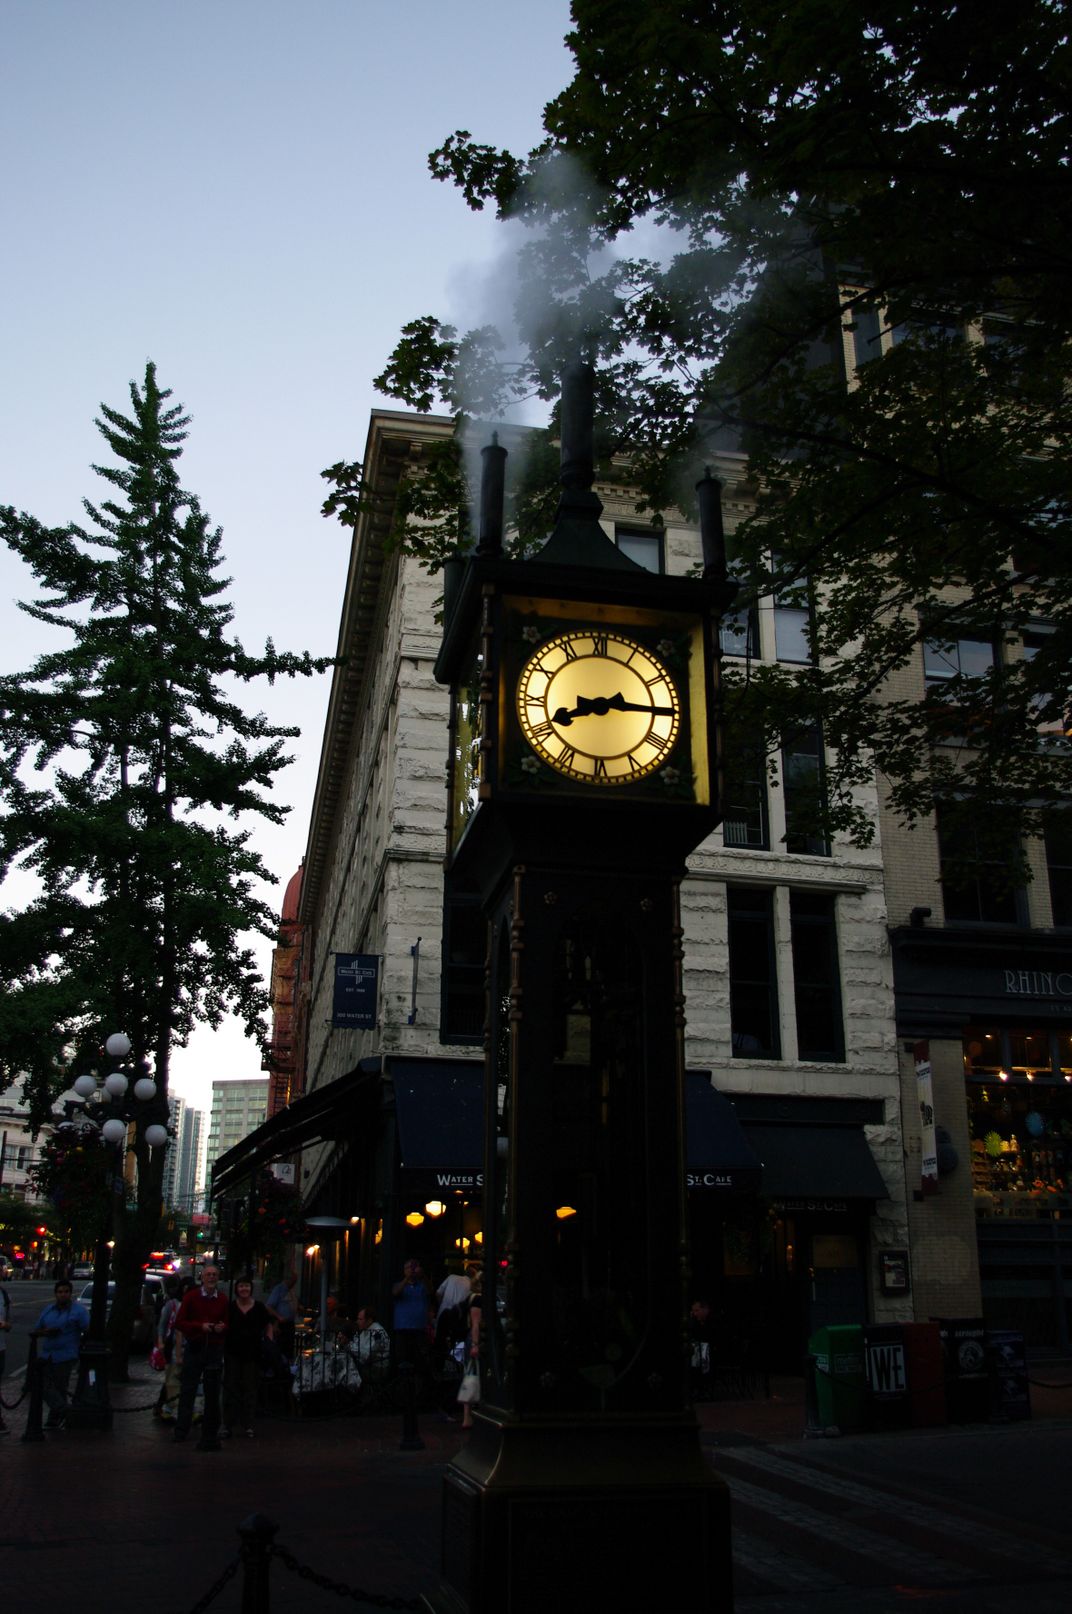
816, 1162
718, 1156
439, 1107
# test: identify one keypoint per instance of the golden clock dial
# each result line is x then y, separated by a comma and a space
598, 707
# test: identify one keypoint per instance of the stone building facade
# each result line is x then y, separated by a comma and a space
787, 974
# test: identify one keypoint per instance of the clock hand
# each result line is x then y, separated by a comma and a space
600, 705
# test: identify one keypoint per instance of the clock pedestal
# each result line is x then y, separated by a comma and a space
583, 1485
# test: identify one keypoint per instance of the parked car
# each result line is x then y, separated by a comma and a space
82, 1269
143, 1331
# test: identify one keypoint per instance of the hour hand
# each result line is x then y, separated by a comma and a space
600, 705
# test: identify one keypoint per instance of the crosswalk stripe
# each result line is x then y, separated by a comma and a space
856, 1538
929, 1515
784, 1571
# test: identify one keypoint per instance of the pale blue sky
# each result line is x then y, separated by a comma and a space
238, 189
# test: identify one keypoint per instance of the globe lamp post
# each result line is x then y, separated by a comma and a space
107, 1106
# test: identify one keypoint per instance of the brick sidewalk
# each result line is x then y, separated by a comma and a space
128, 1521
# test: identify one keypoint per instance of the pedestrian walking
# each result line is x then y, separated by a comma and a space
248, 1326
202, 1322
282, 1307
469, 1389
165, 1340
59, 1331
411, 1318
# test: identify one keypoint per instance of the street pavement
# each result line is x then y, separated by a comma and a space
948, 1519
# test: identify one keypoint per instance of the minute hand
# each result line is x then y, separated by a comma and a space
602, 704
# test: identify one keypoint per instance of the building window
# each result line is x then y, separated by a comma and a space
804, 791
1018, 1105
866, 333
753, 981
977, 884
464, 963
1058, 838
744, 802
1052, 711
944, 659
642, 545
816, 978
792, 620
738, 633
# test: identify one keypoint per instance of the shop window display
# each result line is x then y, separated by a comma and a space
1020, 1120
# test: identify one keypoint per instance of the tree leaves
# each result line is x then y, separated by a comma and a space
856, 296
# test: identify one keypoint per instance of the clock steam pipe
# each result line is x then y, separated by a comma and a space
577, 469
492, 494
712, 536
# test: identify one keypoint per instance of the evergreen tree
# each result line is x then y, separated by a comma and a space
126, 773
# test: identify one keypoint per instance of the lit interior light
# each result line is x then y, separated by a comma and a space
564, 1212
462, 1243
1003, 1075
479, 1237
414, 1219
311, 1249
435, 1207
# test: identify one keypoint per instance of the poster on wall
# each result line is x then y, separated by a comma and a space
356, 982
925, 1092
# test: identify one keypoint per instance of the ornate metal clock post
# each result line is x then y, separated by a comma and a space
584, 770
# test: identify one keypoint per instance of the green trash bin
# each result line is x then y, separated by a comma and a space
840, 1380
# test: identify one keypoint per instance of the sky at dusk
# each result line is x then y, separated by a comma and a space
238, 190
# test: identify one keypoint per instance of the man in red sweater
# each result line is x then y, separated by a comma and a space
202, 1322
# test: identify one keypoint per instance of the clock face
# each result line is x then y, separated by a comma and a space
598, 707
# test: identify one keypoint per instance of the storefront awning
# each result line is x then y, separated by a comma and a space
439, 1108
325, 1113
717, 1155
816, 1162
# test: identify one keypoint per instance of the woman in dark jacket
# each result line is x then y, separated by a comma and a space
248, 1325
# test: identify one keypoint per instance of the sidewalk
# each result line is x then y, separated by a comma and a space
129, 1521
782, 1417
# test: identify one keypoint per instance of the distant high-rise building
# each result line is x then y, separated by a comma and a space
188, 1158
176, 1111
237, 1107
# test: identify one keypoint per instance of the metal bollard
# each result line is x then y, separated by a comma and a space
411, 1437
33, 1430
258, 1537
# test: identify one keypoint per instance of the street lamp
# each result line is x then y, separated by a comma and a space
108, 1105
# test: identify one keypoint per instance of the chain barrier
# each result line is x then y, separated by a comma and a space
339, 1587
9, 1406
217, 1587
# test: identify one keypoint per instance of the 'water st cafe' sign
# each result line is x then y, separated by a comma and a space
356, 990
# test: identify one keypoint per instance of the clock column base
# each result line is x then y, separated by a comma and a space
559, 1518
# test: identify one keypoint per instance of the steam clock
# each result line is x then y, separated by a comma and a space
583, 771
